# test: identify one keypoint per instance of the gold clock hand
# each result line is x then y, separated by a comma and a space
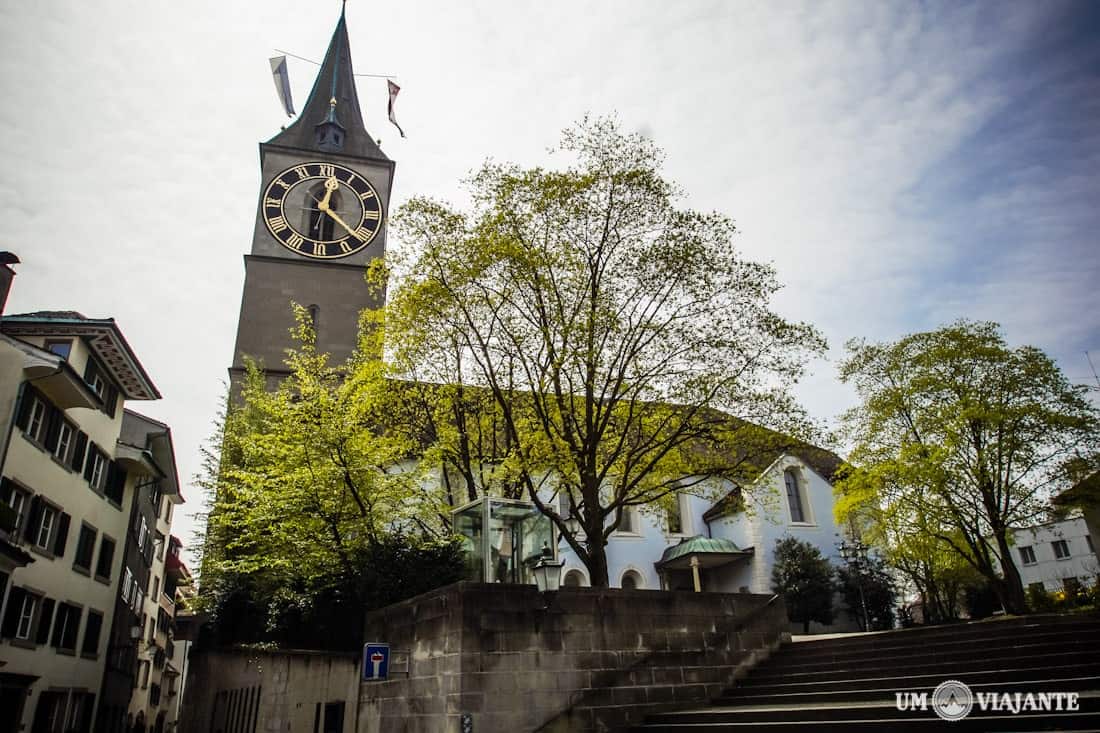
328, 210
330, 185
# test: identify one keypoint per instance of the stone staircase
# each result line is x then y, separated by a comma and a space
851, 682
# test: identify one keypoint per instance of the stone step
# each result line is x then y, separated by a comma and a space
900, 641
878, 710
980, 724
1038, 680
945, 664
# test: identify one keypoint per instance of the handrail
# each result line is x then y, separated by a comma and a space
756, 612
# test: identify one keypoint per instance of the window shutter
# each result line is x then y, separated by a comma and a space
15, 607
80, 447
44, 617
33, 518
23, 416
53, 427
110, 400
90, 463
116, 481
62, 535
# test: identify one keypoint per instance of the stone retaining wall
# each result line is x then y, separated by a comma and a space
577, 660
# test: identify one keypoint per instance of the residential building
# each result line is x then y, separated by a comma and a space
1057, 556
140, 666
70, 487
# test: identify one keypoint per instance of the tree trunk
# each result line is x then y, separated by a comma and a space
597, 564
1011, 589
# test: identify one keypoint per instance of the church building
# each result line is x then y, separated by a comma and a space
320, 220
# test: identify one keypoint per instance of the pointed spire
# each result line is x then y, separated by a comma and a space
331, 120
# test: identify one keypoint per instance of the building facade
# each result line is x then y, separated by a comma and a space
70, 486
1057, 556
726, 546
140, 666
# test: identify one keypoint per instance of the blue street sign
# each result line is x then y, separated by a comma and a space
376, 661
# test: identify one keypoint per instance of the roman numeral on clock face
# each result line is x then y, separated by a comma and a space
277, 224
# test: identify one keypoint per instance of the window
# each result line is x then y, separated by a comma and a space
61, 348
106, 557
155, 588
92, 629
631, 580
1027, 555
95, 470
675, 515
65, 626
794, 496
85, 548
47, 517
65, 435
319, 224
1036, 588
168, 512
93, 377
26, 616
143, 534
127, 585
152, 636
39, 415
314, 314
630, 523
1061, 549
17, 498
574, 579
143, 674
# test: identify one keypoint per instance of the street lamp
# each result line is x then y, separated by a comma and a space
547, 571
854, 554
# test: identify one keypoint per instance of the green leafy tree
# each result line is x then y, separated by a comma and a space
806, 581
319, 512
613, 333
965, 436
868, 586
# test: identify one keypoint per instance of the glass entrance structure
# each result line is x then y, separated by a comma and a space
503, 539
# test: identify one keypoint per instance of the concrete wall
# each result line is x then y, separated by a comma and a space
581, 659
246, 691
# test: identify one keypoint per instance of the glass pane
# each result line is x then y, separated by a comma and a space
467, 524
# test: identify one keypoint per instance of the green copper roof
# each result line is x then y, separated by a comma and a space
700, 545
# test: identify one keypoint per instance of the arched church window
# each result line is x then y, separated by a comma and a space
318, 224
631, 580
574, 579
794, 496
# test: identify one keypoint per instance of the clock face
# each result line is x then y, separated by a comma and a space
322, 210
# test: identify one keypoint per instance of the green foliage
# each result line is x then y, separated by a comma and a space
317, 506
806, 581
596, 337
961, 438
872, 588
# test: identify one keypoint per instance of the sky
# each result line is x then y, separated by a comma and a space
901, 164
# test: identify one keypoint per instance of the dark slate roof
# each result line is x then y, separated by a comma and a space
335, 80
55, 316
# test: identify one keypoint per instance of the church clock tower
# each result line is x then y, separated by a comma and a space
321, 219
